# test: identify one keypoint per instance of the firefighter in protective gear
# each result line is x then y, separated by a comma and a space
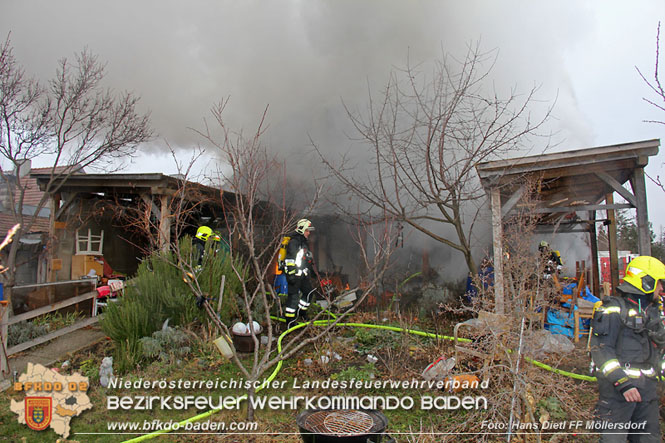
627, 350
298, 267
551, 260
199, 243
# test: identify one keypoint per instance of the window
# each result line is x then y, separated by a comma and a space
89, 244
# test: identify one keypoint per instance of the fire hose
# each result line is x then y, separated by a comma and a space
278, 367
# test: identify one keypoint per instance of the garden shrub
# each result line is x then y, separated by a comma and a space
168, 344
158, 292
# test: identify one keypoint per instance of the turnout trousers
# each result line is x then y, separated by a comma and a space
300, 296
613, 408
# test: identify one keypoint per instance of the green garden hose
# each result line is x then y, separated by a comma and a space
356, 325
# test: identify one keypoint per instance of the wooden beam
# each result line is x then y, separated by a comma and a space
512, 201
50, 308
4, 328
643, 231
154, 210
57, 333
165, 223
89, 282
66, 205
593, 239
497, 238
565, 160
551, 229
582, 208
618, 187
612, 240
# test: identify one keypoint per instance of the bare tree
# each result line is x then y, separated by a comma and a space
659, 95
424, 138
257, 219
73, 122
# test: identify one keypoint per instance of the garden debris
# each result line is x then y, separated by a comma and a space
458, 383
544, 342
371, 358
439, 369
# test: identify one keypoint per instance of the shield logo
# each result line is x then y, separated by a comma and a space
38, 412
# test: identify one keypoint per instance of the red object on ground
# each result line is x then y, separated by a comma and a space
103, 291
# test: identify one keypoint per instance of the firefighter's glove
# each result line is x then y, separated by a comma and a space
200, 301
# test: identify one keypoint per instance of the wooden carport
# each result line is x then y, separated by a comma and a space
155, 189
580, 182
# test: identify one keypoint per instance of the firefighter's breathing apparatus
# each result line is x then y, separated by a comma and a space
326, 286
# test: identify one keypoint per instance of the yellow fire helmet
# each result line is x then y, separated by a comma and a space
643, 272
304, 225
203, 233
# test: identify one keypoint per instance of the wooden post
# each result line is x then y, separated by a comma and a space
4, 318
50, 251
595, 272
612, 240
221, 295
643, 231
497, 238
164, 223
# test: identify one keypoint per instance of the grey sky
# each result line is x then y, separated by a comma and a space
303, 57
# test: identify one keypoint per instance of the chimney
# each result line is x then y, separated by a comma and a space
24, 167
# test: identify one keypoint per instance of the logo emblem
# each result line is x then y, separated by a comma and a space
38, 412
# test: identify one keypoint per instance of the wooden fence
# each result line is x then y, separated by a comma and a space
73, 287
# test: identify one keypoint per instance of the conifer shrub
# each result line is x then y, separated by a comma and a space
158, 292
168, 345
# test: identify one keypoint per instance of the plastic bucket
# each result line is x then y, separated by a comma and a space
224, 345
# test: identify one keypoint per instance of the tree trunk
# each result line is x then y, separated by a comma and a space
251, 393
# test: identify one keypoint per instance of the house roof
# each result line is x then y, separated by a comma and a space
33, 195
31, 199
7, 221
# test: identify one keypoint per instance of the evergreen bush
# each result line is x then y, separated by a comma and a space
158, 292
168, 344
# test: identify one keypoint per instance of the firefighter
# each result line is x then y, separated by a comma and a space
199, 243
551, 260
299, 266
627, 352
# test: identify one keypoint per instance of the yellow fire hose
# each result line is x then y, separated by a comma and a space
357, 325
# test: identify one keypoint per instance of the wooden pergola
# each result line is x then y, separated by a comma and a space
577, 182
155, 189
